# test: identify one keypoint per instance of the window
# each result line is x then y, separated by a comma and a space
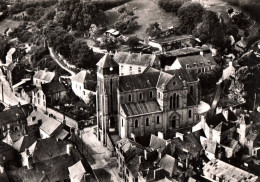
147, 122
83, 92
190, 113
80, 87
174, 83
178, 101
127, 172
140, 96
158, 95
129, 97
122, 67
136, 123
38, 101
76, 85
191, 90
151, 94
44, 104
139, 70
43, 97
174, 101
130, 69
38, 94
122, 122
158, 119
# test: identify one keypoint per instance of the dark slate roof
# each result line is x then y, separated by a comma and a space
106, 62
164, 79
219, 122
53, 88
199, 60
183, 74
144, 107
45, 149
11, 115
156, 142
135, 58
24, 142
139, 81
4, 147
135, 166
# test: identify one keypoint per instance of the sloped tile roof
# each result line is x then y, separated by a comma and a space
139, 81
167, 163
156, 142
197, 60
135, 58
51, 126
144, 107
183, 74
24, 142
11, 115
53, 88
44, 75
77, 171
106, 62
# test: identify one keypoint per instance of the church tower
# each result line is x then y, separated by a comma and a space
107, 102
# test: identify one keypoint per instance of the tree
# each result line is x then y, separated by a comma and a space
170, 5
190, 14
153, 30
133, 42
30, 11
4, 47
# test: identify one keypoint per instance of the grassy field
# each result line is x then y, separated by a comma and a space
147, 12
8, 23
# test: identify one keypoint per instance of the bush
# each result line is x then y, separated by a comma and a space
170, 5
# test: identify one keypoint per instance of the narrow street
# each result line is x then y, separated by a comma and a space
8, 97
105, 166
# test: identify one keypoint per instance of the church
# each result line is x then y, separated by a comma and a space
145, 103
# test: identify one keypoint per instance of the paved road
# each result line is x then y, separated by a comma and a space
9, 96
56, 59
104, 165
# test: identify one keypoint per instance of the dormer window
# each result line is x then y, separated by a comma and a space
130, 69
139, 70
187, 66
173, 83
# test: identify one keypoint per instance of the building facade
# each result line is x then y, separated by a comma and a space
144, 103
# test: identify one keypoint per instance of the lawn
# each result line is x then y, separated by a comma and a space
147, 12
8, 23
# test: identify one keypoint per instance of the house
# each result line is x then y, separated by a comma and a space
217, 170
144, 103
13, 120
48, 93
43, 76
8, 155
112, 32
78, 172
135, 63
174, 42
50, 160
83, 83
241, 45
50, 127
23, 143
199, 63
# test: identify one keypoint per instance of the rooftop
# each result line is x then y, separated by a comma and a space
53, 88
106, 62
135, 58
44, 75
228, 172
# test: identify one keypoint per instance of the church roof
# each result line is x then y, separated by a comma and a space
139, 81
197, 60
134, 58
183, 74
144, 107
106, 62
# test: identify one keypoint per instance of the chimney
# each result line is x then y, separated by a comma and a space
19, 104
219, 110
168, 142
187, 161
203, 118
160, 135
202, 53
2, 169
28, 158
69, 148
140, 159
210, 132
86, 177
179, 135
132, 135
45, 69
225, 114
230, 63
145, 154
